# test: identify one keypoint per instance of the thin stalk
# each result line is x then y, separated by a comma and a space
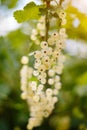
47, 19
61, 2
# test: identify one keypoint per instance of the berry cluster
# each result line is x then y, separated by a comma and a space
47, 60
40, 83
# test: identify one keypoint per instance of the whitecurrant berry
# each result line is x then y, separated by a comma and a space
24, 60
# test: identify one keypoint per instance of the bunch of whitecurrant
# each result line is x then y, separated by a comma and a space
40, 82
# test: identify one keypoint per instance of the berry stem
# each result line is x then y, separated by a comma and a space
61, 2
47, 19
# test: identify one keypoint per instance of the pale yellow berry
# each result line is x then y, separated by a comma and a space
24, 60
39, 26
58, 85
44, 44
41, 68
55, 99
62, 14
33, 37
38, 61
38, 92
40, 77
51, 72
23, 71
55, 35
46, 60
40, 87
36, 98
55, 92
24, 95
49, 50
56, 54
34, 32
63, 22
37, 54
36, 66
33, 83
51, 81
35, 73
57, 78
51, 41
47, 65
23, 87
42, 33
62, 58
34, 88
43, 81
59, 69
44, 52
29, 127
37, 42
62, 31
43, 74
49, 92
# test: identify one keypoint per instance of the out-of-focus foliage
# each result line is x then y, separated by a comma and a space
70, 112
79, 31
9, 3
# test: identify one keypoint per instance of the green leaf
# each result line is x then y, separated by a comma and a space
42, 11
29, 12
29, 5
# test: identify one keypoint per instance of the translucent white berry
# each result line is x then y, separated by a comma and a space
44, 44
55, 99
51, 72
24, 95
37, 54
35, 73
40, 87
58, 85
51, 81
57, 78
49, 92
36, 98
24, 60
43, 81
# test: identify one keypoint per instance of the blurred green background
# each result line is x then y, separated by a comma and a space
70, 112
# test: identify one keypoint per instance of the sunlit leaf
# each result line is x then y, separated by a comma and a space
30, 11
